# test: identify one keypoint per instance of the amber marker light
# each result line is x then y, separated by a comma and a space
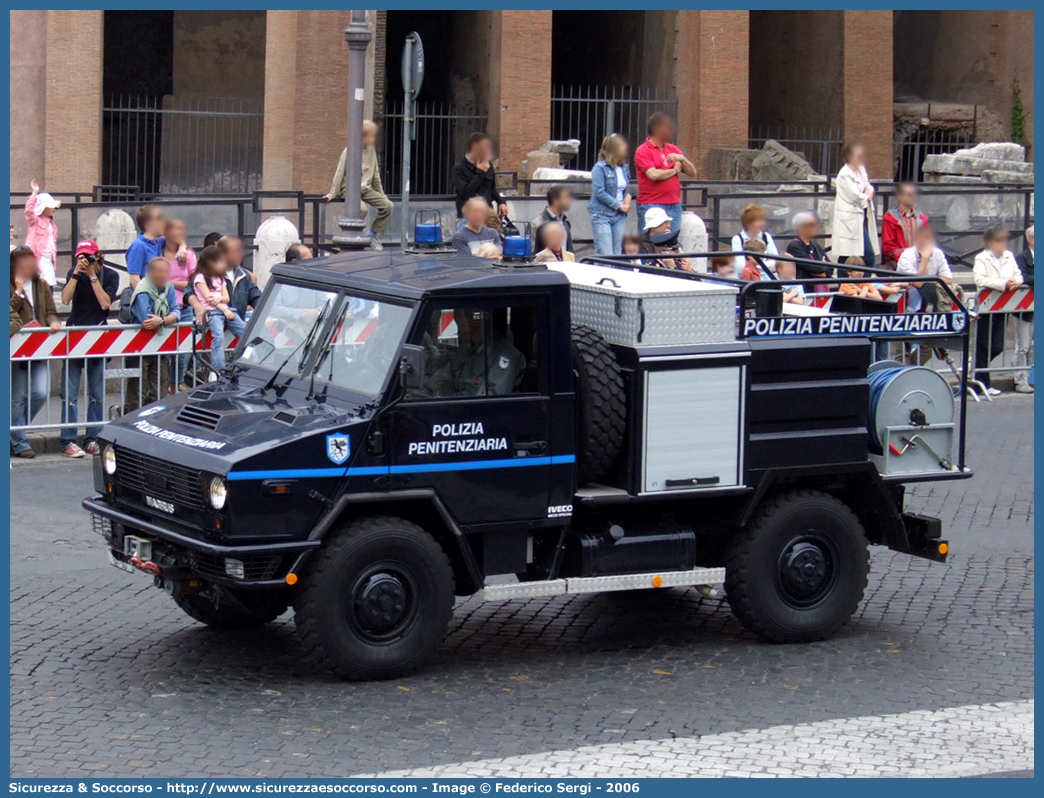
291, 579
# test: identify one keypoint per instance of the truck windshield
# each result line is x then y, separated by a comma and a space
356, 349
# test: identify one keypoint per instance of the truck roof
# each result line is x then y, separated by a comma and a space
417, 276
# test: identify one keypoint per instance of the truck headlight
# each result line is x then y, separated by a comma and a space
218, 493
109, 459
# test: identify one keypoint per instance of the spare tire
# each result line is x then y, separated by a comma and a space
601, 405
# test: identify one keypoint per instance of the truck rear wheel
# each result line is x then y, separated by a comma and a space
375, 601
601, 410
797, 572
228, 615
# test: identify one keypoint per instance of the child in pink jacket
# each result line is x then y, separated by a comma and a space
42, 235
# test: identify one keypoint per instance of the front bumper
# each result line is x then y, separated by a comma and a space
177, 556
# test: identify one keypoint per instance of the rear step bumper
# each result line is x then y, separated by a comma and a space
604, 584
924, 534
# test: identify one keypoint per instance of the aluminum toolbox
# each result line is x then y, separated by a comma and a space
642, 309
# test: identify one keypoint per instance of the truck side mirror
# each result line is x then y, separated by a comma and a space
411, 366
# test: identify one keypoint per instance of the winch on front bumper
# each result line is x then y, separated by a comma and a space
136, 543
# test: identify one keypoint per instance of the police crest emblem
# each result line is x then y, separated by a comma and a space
338, 447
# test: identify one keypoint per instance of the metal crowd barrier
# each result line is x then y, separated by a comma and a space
135, 367
987, 302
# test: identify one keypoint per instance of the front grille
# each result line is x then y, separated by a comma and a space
199, 417
262, 566
158, 478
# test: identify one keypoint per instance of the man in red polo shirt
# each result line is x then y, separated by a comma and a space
658, 163
899, 224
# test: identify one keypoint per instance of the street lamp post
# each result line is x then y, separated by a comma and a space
353, 224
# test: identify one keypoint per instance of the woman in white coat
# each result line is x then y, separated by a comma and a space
994, 268
854, 232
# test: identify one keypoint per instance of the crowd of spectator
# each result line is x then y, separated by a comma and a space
170, 284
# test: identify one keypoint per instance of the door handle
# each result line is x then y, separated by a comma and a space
529, 447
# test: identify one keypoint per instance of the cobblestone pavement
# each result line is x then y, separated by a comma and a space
108, 678
959, 741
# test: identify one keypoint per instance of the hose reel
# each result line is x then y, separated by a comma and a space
910, 424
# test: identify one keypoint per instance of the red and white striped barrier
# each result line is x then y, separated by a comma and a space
42, 344
1019, 300
39, 343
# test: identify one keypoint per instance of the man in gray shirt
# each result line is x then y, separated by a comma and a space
474, 233
482, 364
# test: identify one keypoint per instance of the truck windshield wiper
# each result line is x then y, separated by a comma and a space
305, 345
318, 365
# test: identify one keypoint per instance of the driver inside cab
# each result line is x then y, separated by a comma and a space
484, 363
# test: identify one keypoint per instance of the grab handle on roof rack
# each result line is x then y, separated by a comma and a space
608, 280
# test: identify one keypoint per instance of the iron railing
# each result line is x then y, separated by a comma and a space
442, 134
959, 213
927, 141
821, 147
590, 113
181, 144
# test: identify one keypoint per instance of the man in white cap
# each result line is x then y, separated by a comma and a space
42, 234
657, 225
658, 238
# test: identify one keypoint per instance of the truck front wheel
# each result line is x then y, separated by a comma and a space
797, 572
375, 601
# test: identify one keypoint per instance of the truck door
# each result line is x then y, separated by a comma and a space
478, 433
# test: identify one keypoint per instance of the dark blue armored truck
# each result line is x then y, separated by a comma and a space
397, 429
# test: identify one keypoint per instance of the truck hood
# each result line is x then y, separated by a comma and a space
217, 426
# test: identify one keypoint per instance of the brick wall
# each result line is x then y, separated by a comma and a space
519, 104
380, 55
28, 96
321, 97
280, 91
74, 100
868, 87
306, 98
711, 75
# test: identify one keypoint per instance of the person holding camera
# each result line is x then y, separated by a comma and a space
90, 288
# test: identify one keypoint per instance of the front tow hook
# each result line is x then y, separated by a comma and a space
148, 566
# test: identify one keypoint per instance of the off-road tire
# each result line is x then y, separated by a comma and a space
767, 566
601, 405
330, 607
225, 615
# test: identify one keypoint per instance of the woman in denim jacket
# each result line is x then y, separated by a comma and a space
610, 203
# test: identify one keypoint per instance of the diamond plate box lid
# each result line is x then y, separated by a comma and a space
642, 309
619, 282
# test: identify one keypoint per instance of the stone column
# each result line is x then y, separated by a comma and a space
358, 34
868, 87
519, 104
711, 77
73, 100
